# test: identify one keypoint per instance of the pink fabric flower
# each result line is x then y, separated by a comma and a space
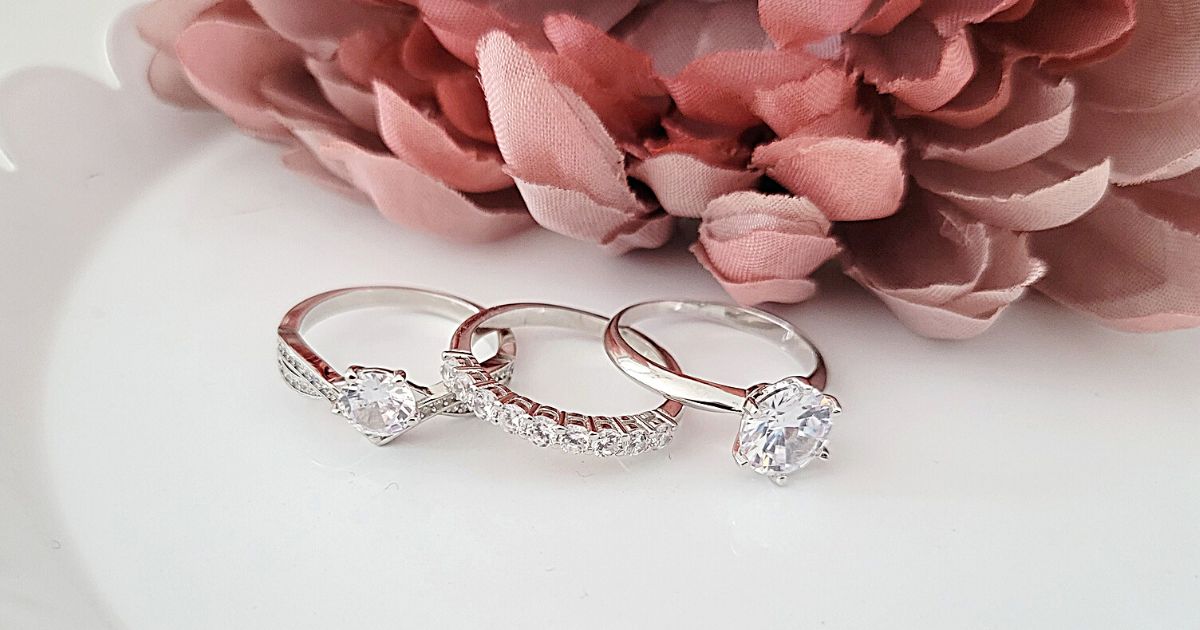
951, 153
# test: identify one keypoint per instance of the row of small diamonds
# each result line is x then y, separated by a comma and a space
303, 378
542, 425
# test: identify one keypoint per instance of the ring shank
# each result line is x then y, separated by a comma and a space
694, 391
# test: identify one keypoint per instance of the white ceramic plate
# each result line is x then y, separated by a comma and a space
155, 473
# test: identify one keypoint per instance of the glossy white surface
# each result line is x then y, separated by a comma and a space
155, 472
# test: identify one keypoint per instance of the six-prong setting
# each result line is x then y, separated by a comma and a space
380, 403
785, 426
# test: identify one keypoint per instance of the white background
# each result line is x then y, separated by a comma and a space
155, 473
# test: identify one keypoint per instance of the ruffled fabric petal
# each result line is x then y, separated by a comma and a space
792, 22
720, 88
227, 52
1140, 270
674, 33
1035, 196
847, 178
943, 274
317, 26
922, 67
685, 184
568, 168
763, 248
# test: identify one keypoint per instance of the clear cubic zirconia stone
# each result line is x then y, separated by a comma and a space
378, 402
784, 427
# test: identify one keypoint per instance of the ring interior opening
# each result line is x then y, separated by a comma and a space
777, 331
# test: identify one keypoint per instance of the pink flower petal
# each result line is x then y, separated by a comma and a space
1067, 33
1034, 196
317, 26
227, 53
355, 103
697, 28
685, 184
847, 178
942, 274
920, 66
568, 168
1037, 119
887, 14
424, 143
1134, 261
987, 94
720, 87
823, 103
413, 199
762, 248
1144, 147
801, 21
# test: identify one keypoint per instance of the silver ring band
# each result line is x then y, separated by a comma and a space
784, 424
386, 417
544, 425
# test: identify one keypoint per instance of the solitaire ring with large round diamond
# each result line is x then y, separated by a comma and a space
785, 424
380, 402
544, 425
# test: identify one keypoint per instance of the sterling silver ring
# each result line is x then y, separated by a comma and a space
380, 402
785, 424
543, 425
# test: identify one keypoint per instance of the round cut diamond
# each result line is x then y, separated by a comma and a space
484, 404
513, 419
449, 370
378, 402
576, 439
784, 427
610, 442
462, 385
661, 436
542, 431
639, 442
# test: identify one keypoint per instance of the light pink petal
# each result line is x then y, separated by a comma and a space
823, 103
422, 142
1159, 69
763, 248
685, 184
801, 21
1133, 262
987, 94
1037, 120
847, 178
413, 199
227, 54
942, 274
169, 81
568, 168
1034, 196
720, 88
1067, 33
920, 66
951, 15
887, 14
674, 33
318, 26
1144, 147
355, 103
161, 22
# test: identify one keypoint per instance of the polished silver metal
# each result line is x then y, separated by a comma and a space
545, 425
691, 390
308, 373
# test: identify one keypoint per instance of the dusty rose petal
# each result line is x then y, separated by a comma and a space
1144, 147
942, 274
823, 103
1034, 196
413, 199
685, 184
227, 53
720, 88
800, 21
423, 143
674, 33
1159, 69
569, 169
763, 248
318, 25
1037, 119
887, 14
1067, 33
1140, 268
987, 94
355, 103
847, 178
169, 81
916, 63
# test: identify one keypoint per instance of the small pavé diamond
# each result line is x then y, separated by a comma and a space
542, 432
576, 439
639, 442
463, 386
484, 403
513, 419
660, 437
610, 442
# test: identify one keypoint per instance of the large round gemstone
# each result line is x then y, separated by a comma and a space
378, 402
784, 427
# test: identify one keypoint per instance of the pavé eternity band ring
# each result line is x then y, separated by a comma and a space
785, 424
380, 402
544, 425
